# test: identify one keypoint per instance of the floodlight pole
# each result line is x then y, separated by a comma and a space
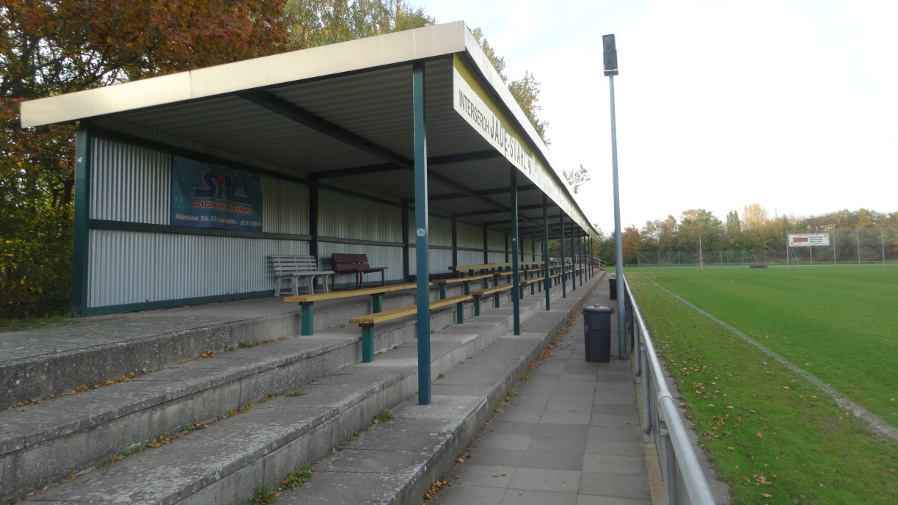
610, 60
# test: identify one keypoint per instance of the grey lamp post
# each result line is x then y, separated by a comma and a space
610, 60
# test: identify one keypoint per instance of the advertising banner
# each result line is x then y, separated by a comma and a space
204, 195
808, 239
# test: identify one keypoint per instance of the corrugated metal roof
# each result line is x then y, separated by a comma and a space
262, 110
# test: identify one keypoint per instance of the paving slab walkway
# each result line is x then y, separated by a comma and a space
570, 436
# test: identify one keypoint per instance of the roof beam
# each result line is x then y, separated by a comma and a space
484, 192
435, 161
319, 124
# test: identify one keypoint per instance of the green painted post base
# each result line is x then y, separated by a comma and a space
467, 287
377, 303
307, 319
442, 291
460, 312
476, 305
367, 344
496, 300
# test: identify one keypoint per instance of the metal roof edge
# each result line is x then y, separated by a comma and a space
491, 77
371, 52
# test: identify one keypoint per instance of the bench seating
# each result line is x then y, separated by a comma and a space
483, 268
496, 290
466, 280
368, 321
533, 283
307, 302
292, 268
345, 263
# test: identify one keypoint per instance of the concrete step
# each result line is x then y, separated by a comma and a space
35, 364
89, 428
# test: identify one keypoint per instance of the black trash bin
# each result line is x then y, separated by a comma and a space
612, 283
597, 333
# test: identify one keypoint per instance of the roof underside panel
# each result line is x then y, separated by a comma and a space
354, 130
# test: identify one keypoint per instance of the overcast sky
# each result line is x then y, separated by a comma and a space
791, 104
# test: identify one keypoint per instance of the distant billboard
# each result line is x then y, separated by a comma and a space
808, 239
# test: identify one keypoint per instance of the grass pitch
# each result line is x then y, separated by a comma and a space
777, 437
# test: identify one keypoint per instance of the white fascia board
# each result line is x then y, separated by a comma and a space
544, 176
393, 48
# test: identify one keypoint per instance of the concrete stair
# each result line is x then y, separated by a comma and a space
234, 454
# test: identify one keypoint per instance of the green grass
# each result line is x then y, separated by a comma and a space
774, 436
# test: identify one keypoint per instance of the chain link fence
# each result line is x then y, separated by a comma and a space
857, 245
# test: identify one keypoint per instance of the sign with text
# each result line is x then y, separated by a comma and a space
808, 239
204, 195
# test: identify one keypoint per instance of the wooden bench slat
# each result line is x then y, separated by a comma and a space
379, 317
494, 289
349, 263
463, 279
350, 293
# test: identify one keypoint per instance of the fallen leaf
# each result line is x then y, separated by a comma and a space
460, 459
765, 495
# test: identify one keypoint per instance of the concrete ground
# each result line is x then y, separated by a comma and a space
570, 436
568, 432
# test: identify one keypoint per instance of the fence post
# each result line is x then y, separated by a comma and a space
668, 467
647, 396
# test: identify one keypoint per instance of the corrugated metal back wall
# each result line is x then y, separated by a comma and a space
133, 184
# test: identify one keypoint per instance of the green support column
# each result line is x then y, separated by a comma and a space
81, 231
563, 263
546, 266
460, 312
443, 291
476, 305
422, 261
307, 318
515, 253
367, 344
377, 303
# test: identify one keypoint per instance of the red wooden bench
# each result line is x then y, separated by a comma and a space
346, 263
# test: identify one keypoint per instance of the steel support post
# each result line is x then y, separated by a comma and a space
422, 264
547, 282
563, 262
618, 242
81, 230
515, 257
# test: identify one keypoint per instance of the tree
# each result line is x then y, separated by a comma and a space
51, 47
320, 22
576, 178
733, 228
695, 223
630, 242
524, 90
497, 61
754, 216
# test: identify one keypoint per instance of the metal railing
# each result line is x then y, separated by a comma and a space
682, 477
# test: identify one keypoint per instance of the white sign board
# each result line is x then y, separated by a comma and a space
808, 239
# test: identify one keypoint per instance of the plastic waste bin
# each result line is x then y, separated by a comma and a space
597, 333
612, 283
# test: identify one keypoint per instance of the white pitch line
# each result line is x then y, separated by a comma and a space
872, 420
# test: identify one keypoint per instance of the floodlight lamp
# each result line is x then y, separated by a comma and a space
610, 54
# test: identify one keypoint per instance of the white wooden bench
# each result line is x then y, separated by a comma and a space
293, 268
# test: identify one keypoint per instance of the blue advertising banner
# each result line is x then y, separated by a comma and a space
204, 195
